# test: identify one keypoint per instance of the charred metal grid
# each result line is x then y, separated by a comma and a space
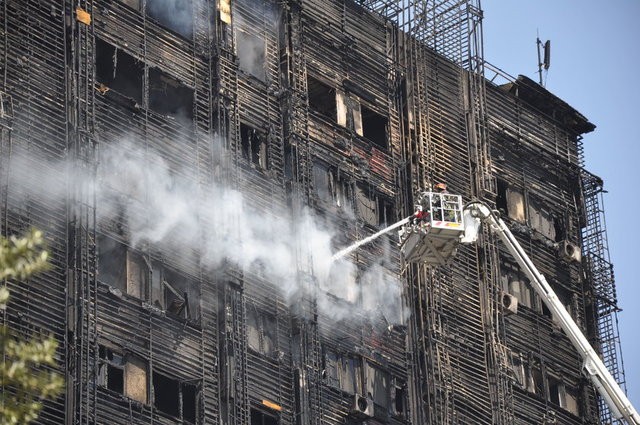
415, 67
34, 82
521, 136
600, 273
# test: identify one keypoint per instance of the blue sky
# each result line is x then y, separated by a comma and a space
595, 59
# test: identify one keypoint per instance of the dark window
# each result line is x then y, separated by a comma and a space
374, 127
373, 208
112, 257
175, 398
251, 54
399, 400
377, 385
166, 394
254, 146
541, 219
322, 98
322, 182
261, 418
560, 228
518, 370
189, 402
176, 15
175, 293
261, 331
331, 187
501, 196
536, 382
118, 71
342, 372
366, 205
126, 376
112, 370
168, 96
122, 268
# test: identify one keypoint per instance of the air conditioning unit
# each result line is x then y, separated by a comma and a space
509, 304
569, 251
362, 407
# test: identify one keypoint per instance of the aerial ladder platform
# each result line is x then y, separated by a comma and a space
432, 235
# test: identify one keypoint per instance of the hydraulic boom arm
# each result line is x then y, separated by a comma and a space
594, 368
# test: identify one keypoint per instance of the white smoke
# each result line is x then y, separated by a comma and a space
166, 208
175, 14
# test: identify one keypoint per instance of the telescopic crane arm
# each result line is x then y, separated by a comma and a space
594, 368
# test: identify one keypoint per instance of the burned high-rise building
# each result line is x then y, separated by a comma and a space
195, 164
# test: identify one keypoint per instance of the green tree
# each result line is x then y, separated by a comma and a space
24, 384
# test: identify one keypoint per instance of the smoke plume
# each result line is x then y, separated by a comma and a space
164, 207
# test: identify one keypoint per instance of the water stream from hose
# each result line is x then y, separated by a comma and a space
348, 250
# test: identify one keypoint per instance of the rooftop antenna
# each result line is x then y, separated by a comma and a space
544, 61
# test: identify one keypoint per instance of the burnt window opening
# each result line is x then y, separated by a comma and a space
261, 332
175, 293
126, 375
560, 228
189, 402
122, 268
289, 159
540, 218
377, 388
385, 211
563, 395
501, 196
322, 98
516, 204
224, 7
168, 96
321, 182
251, 51
254, 146
261, 418
330, 370
134, 4
331, 187
518, 371
137, 275
374, 209
118, 71
374, 127
535, 379
111, 370
555, 389
516, 284
510, 200
342, 372
366, 205
399, 400
175, 398
112, 258
175, 15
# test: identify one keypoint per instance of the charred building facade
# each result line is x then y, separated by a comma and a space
190, 160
